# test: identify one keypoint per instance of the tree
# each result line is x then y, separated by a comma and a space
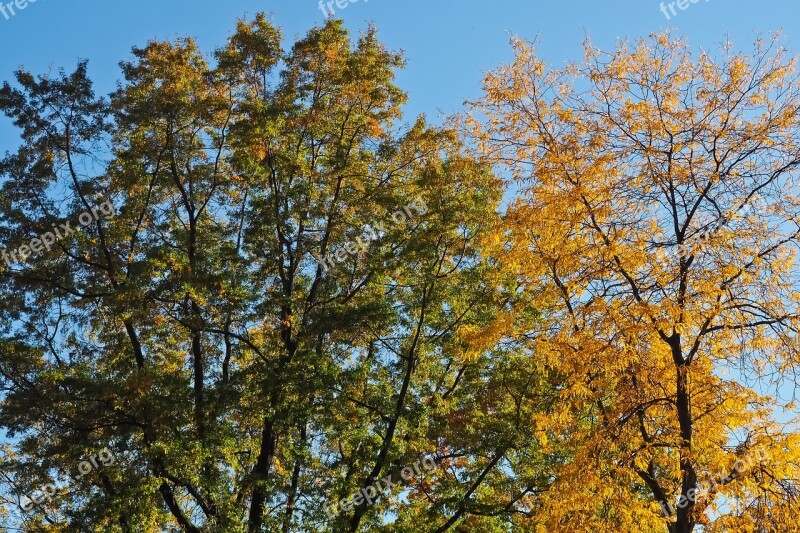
656, 228
285, 305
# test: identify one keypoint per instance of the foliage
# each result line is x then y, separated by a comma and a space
241, 385
671, 311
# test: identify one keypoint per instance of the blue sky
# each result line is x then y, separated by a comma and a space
449, 43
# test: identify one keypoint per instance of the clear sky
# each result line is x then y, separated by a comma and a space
448, 43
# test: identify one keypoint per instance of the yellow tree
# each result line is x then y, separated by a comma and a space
657, 225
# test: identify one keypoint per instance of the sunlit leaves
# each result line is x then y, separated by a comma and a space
663, 304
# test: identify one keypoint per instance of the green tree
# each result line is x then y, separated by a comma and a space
289, 303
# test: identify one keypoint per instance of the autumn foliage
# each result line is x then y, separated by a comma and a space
613, 349
678, 357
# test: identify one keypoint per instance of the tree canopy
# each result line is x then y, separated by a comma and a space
657, 223
288, 305
243, 293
